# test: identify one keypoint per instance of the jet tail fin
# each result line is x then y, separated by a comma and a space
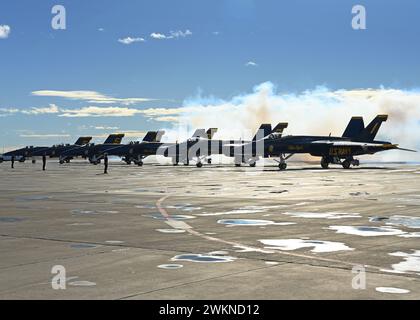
159, 135
150, 136
354, 128
82, 141
278, 129
200, 133
210, 133
369, 133
265, 130
114, 138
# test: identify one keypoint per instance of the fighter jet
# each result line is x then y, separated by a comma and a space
198, 147
251, 151
58, 149
136, 151
356, 140
22, 154
92, 151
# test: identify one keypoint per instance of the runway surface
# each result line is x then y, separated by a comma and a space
219, 232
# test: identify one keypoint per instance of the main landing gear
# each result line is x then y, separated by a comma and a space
346, 163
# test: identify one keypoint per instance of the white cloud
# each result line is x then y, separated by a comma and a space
105, 128
156, 35
101, 29
94, 111
48, 135
52, 108
90, 96
216, 33
4, 31
129, 40
179, 33
251, 64
172, 34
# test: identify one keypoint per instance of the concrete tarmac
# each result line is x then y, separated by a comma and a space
219, 232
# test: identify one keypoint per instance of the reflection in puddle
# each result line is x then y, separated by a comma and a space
82, 283
170, 266
366, 231
411, 262
114, 242
252, 222
185, 207
293, 244
322, 215
158, 216
91, 212
406, 221
33, 198
410, 235
171, 230
202, 258
145, 206
243, 210
11, 219
391, 290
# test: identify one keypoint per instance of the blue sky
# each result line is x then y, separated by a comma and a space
296, 45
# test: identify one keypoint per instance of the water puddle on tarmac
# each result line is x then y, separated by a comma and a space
170, 266
11, 219
80, 224
183, 207
203, 258
82, 283
114, 242
252, 222
33, 198
406, 221
243, 210
83, 246
411, 262
158, 216
171, 230
317, 246
322, 215
91, 212
391, 290
366, 231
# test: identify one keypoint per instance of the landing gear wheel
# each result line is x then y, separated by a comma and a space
140, 163
346, 164
237, 164
61, 161
282, 166
68, 161
33, 161
208, 161
252, 163
199, 164
324, 163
